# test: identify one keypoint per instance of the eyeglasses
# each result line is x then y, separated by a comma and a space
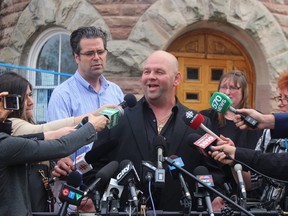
91, 54
284, 100
231, 88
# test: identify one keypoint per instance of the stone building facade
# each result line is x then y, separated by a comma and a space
137, 27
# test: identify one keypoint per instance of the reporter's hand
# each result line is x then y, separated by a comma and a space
225, 141
218, 203
50, 135
97, 112
63, 167
221, 151
264, 120
99, 122
3, 112
86, 205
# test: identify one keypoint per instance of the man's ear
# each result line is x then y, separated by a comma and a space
177, 79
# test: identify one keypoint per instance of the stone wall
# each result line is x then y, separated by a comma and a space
132, 35
120, 16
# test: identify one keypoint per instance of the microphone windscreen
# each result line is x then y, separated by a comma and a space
159, 142
193, 120
238, 167
220, 102
106, 172
197, 121
123, 164
201, 170
74, 179
130, 100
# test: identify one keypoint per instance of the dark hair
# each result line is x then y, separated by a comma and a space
13, 83
238, 78
86, 32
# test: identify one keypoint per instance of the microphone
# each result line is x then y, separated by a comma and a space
148, 171
194, 121
114, 190
202, 174
178, 175
238, 169
69, 194
222, 103
113, 114
102, 177
159, 142
129, 101
128, 176
83, 122
204, 143
82, 163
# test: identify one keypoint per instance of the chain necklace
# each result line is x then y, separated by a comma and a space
162, 122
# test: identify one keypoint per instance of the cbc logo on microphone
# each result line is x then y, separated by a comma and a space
189, 114
83, 167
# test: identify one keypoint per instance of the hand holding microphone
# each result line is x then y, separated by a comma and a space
222, 103
113, 114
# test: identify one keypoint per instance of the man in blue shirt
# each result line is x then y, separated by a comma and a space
87, 89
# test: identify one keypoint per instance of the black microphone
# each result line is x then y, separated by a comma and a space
111, 198
159, 143
69, 194
129, 101
148, 171
128, 176
238, 169
202, 174
178, 175
103, 176
114, 114
83, 122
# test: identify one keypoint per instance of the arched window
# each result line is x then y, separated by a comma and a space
50, 52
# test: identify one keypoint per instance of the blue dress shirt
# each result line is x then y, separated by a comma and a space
76, 97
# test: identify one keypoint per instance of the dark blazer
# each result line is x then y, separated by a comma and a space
128, 140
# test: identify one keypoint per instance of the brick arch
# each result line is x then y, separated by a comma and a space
67, 14
249, 22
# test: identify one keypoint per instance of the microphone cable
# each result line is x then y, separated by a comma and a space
253, 170
151, 198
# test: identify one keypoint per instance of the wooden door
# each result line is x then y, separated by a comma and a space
203, 57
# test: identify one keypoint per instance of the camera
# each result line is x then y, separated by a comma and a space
11, 102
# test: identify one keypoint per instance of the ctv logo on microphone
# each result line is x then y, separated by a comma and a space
71, 195
218, 103
123, 172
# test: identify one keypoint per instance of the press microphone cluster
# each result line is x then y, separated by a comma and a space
222, 103
114, 114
